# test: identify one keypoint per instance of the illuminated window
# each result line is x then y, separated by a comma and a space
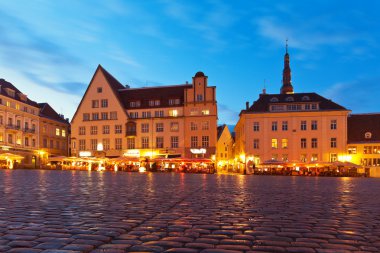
303, 158
173, 113
284, 143
159, 127
63, 133
333, 157
351, 150
256, 143
256, 126
285, 157
57, 132
194, 141
368, 135
1, 137
17, 106
174, 141
18, 140
333, 124
94, 130
193, 126
205, 112
303, 143
145, 128
314, 157
144, 142
314, 143
274, 143
159, 142
8, 103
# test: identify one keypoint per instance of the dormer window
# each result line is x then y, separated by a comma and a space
174, 101
305, 98
274, 100
10, 92
368, 135
22, 97
199, 97
154, 102
289, 99
134, 103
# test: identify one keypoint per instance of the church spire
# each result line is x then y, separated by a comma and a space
287, 87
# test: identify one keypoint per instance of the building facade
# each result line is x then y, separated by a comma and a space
291, 127
53, 133
163, 121
363, 144
225, 157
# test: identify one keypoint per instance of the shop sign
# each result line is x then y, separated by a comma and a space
198, 151
85, 153
132, 153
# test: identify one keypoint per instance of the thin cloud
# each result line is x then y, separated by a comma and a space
230, 116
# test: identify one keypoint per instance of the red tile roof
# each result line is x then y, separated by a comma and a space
360, 124
46, 111
4, 84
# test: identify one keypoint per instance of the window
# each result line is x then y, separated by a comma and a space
274, 126
146, 115
26, 141
284, 143
135, 103
104, 103
277, 108
205, 125
305, 98
57, 146
144, 142
118, 129
256, 126
1, 119
63, 133
100, 89
194, 141
193, 126
113, 115
174, 141
104, 115
193, 111
154, 102
159, 142
256, 144
26, 125
57, 131
314, 143
314, 106
289, 99
294, 107
82, 144
274, 143
284, 126
333, 142
95, 103
314, 125
145, 128
303, 125
134, 115
174, 126
314, 157
106, 144
1, 137
95, 116
94, 144
303, 158
94, 130
106, 129
159, 114
205, 141
8, 103
199, 97
307, 107
368, 135
10, 138
303, 143
333, 157
333, 124
34, 143
285, 157
82, 130
205, 112
367, 150
173, 113
118, 143
86, 116
131, 143
174, 101
274, 100
159, 127
351, 150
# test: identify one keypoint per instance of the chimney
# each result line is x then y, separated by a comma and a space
246, 105
264, 91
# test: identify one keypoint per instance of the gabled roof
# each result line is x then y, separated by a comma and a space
265, 100
151, 93
4, 85
46, 111
360, 124
220, 130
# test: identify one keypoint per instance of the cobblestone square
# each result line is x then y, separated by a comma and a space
80, 211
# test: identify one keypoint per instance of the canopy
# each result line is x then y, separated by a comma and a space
11, 156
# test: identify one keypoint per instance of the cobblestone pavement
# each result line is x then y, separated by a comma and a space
79, 211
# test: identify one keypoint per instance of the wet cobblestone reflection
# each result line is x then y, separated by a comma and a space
80, 211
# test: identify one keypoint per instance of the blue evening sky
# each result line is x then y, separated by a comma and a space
50, 49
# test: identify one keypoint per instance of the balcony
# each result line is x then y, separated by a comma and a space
12, 127
30, 130
131, 133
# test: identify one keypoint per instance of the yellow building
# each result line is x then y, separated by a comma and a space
225, 150
53, 132
290, 127
18, 127
163, 121
363, 146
